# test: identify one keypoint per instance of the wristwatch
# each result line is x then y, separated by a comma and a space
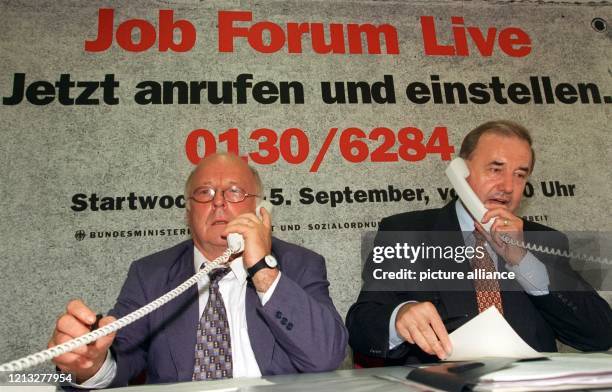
266, 262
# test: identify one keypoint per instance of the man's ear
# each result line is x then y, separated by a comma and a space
187, 211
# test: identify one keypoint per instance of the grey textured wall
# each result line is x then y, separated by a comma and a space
51, 152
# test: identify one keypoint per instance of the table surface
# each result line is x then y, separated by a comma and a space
388, 379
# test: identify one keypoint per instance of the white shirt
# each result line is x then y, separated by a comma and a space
233, 291
530, 273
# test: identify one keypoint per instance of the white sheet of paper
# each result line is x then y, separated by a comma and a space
488, 335
562, 367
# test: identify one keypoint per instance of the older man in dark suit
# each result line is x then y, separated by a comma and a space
268, 313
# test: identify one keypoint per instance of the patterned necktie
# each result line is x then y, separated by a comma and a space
213, 351
487, 290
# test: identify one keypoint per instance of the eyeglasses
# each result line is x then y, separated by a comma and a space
233, 194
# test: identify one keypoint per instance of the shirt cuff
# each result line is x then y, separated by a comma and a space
265, 297
103, 377
531, 274
394, 338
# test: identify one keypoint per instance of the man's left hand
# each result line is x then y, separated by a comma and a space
505, 224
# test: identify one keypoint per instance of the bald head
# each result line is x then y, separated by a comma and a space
217, 164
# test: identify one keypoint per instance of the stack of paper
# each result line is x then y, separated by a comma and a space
561, 372
490, 335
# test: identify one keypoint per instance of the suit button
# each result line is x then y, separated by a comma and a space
279, 314
289, 326
284, 320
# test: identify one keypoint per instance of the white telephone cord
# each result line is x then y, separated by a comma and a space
552, 251
45, 355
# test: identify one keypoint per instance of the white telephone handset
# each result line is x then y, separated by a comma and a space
235, 244
457, 172
235, 241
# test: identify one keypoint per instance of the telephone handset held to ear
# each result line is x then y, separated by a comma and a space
235, 245
457, 172
235, 241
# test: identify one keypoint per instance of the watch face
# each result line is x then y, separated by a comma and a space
271, 261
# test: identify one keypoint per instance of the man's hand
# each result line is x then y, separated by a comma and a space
420, 324
257, 235
85, 361
508, 224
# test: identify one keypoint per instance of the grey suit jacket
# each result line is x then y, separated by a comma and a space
298, 330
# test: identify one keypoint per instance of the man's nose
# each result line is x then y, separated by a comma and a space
507, 183
218, 200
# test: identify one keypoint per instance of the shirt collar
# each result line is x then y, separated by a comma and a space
466, 222
236, 265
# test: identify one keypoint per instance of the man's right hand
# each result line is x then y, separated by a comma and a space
420, 324
85, 361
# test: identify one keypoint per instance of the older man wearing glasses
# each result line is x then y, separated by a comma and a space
268, 313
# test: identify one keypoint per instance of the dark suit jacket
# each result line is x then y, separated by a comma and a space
572, 312
298, 330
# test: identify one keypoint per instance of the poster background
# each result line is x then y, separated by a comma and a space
49, 153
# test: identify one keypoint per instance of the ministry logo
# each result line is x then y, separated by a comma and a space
79, 235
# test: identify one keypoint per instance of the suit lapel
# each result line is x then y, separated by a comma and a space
181, 316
